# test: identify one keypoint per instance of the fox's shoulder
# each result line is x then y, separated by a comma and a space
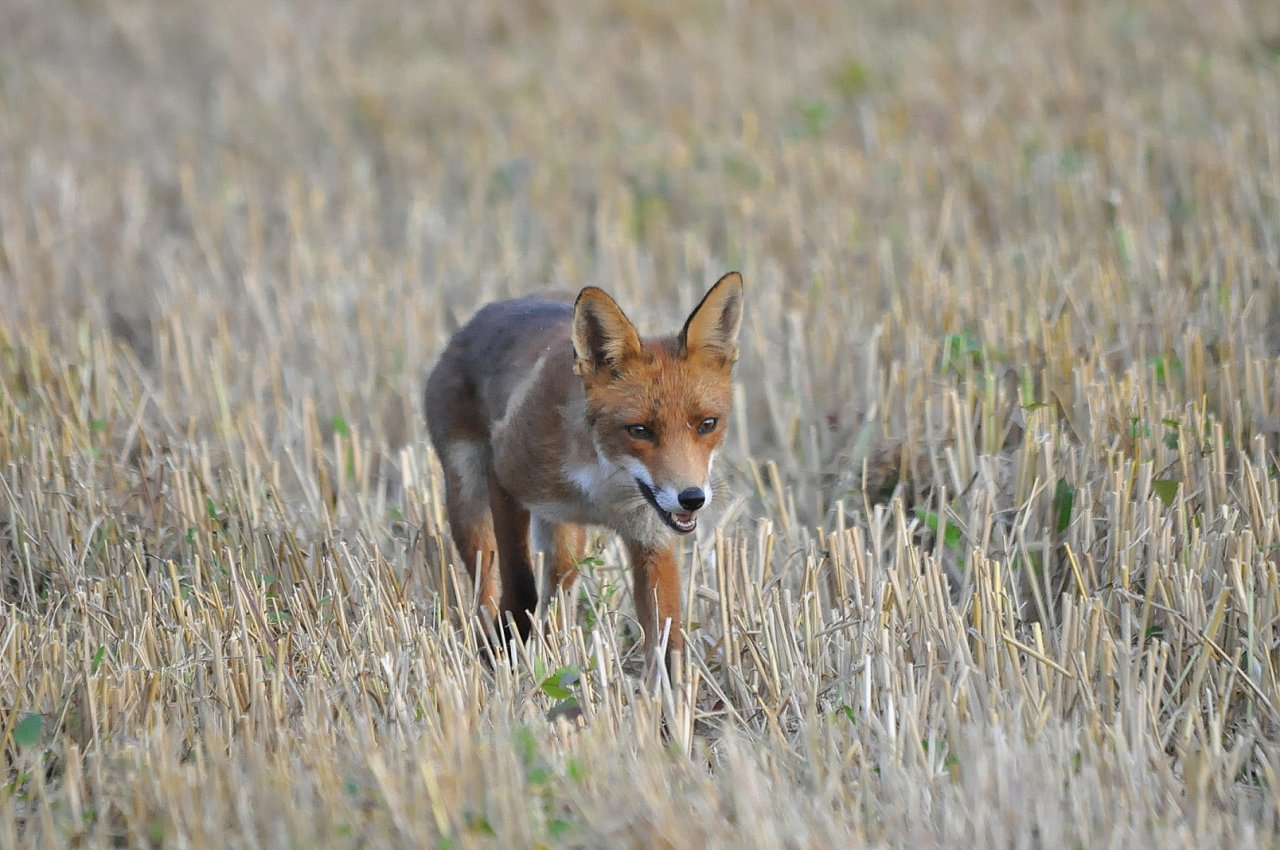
530, 310
514, 328
498, 347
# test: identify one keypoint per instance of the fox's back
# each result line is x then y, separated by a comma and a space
486, 362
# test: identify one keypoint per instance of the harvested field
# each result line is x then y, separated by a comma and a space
1000, 566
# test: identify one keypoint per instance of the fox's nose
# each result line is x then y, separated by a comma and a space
692, 498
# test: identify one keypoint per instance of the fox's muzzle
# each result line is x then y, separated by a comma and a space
692, 498
679, 522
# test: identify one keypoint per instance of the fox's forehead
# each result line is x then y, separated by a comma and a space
662, 387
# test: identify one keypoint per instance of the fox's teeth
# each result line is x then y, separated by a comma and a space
682, 521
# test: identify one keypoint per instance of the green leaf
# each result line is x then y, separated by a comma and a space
852, 79
1124, 244
1166, 489
961, 350
478, 823
97, 659
558, 685
952, 537
1064, 497
211, 507
1033, 562
340, 426
1071, 162
526, 745
569, 709
1158, 363
27, 732
818, 117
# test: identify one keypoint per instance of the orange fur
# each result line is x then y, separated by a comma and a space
550, 417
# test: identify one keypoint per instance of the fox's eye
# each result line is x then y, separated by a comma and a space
706, 426
640, 432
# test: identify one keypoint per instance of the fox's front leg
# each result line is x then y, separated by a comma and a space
519, 589
657, 592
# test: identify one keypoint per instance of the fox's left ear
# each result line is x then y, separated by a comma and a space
712, 327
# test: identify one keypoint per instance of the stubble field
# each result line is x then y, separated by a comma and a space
1000, 563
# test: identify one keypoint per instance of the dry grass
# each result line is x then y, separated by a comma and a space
1003, 569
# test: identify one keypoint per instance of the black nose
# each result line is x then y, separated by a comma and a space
692, 499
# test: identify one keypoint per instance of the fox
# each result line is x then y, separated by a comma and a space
550, 417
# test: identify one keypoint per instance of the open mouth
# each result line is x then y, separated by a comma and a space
681, 523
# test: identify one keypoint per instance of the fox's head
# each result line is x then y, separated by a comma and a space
658, 408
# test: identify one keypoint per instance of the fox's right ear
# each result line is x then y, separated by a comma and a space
603, 336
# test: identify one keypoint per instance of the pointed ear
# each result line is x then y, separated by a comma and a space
712, 327
603, 336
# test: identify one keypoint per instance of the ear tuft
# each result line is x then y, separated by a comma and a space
603, 336
712, 327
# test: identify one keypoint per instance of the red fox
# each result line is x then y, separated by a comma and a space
549, 417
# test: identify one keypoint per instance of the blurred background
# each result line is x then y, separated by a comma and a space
299, 200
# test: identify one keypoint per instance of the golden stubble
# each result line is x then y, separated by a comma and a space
996, 557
